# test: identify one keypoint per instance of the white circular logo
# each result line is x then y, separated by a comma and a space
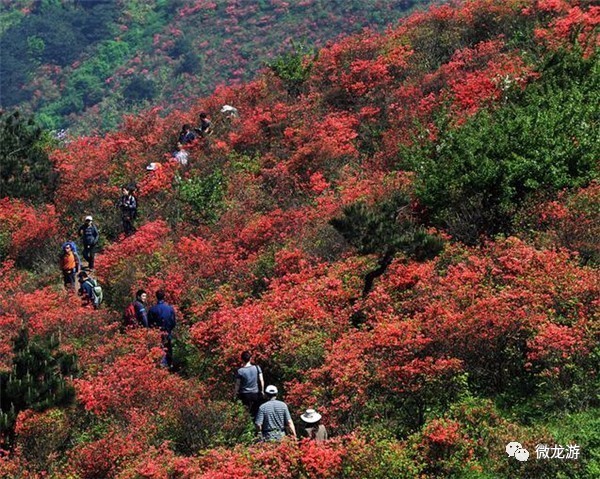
512, 447
521, 455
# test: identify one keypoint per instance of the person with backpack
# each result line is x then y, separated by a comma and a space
128, 205
135, 313
90, 290
249, 384
162, 316
89, 237
69, 264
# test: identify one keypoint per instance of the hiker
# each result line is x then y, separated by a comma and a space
135, 313
180, 155
273, 419
205, 127
128, 205
313, 429
230, 111
89, 237
162, 316
90, 290
186, 135
249, 384
69, 264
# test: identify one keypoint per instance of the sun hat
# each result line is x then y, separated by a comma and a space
88, 217
310, 416
271, 390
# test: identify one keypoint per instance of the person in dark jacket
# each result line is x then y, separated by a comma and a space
89, 237
205, 127
128, 205
162, 316
186, 135
141, 315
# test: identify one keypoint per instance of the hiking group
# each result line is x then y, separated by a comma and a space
271, 417
160, 316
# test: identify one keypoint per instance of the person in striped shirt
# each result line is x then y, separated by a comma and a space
273, 419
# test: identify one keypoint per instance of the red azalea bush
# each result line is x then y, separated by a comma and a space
269, 273
27, 233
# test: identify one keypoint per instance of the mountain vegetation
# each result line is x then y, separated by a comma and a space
401, 226
82, 63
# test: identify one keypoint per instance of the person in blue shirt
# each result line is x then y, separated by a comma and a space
162, 316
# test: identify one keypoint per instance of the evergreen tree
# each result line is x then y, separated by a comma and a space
25, 169
36, 380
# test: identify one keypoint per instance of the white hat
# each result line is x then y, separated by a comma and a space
271, 390
310, 416
228, 109
88, 217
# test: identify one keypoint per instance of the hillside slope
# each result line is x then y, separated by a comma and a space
86, 63
403, 230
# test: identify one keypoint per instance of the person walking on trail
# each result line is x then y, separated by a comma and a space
88, 232
273, 419
249, 384
128, 205
313, 429
90, 290
69, 264
162, 316
135, 313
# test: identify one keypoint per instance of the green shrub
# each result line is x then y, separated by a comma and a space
204, 195
474, 178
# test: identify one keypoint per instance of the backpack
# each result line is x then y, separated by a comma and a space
96, 290
130, 316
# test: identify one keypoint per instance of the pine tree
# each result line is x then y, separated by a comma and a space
36, 379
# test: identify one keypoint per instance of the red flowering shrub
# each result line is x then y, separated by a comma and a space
27, 234
573, 25
42, 436
266, 271
571, 221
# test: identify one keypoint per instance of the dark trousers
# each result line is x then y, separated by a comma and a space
69, 278
252, 401
128, 224
167, 345
88, 254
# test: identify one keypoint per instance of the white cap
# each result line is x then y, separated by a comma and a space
271, 390
88, 217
